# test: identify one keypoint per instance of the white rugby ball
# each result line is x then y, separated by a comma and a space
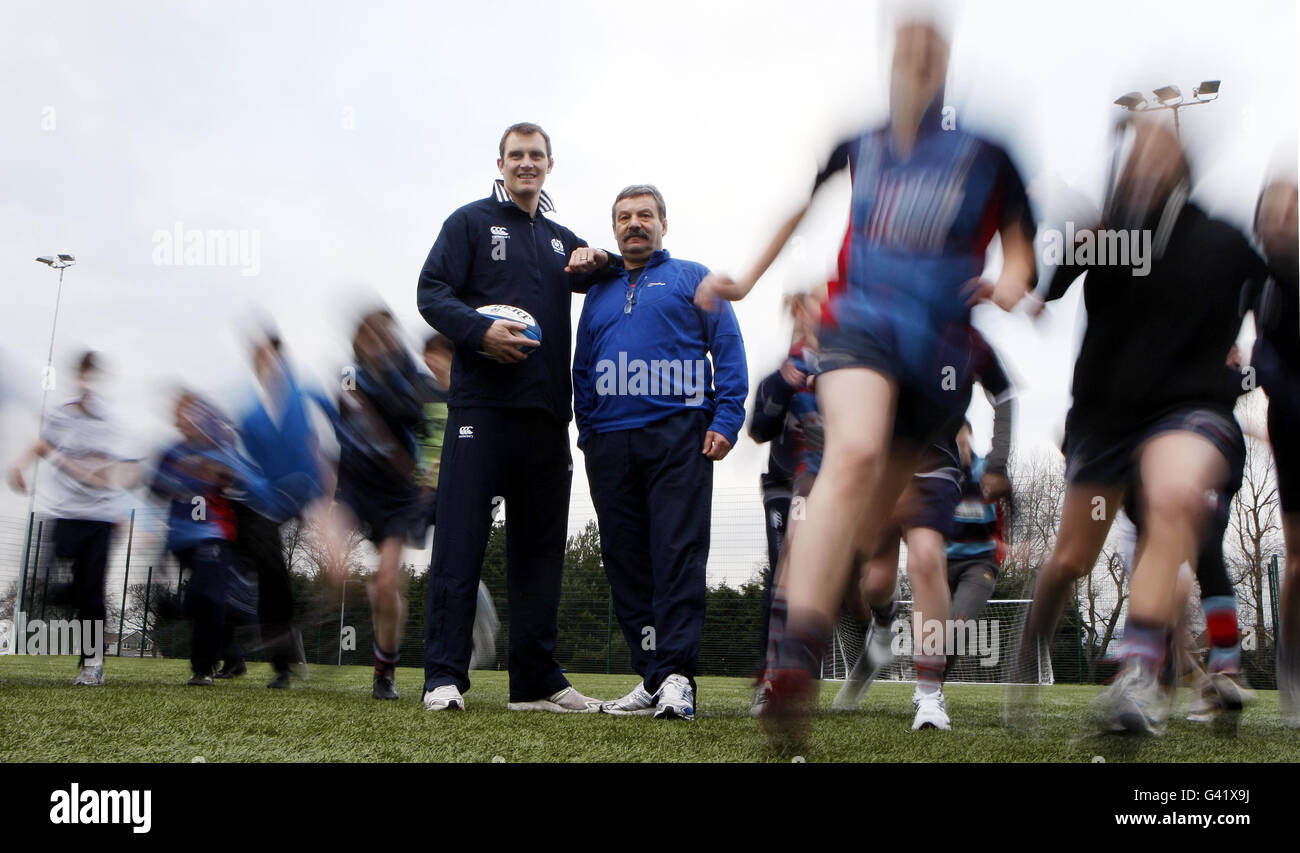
516, 315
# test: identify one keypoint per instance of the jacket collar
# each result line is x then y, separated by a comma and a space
616, 269
658, 256
502, 195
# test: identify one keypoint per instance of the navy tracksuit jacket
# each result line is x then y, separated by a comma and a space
507, 437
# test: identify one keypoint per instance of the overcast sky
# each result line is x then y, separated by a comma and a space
338, 137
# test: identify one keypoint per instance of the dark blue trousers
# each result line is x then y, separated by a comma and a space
210, 565
653, 492
490, 455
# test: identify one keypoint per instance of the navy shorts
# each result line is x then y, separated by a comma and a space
1094, 457
930, 499
930, 408
382, 513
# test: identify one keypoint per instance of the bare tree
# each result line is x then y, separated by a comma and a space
9, 600
1254, 536
1038, 484
312, 550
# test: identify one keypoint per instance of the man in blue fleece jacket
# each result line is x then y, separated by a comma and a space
653, 416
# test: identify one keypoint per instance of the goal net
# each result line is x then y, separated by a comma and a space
987, 648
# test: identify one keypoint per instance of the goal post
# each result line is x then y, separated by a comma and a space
987, 648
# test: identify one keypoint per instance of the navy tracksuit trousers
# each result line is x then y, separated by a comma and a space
653, 491
520, 456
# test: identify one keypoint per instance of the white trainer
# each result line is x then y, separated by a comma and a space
676, 699
91, 675
931, 710
566, 701
762, 693
877, 653
637, 703
1133, 703
444, 698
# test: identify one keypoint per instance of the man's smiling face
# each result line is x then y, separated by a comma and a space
525, 163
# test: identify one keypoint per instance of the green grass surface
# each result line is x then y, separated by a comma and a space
146, 713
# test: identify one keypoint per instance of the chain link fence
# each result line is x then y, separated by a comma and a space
144, 587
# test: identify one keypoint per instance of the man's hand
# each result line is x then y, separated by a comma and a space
16, 481
994, 486
793, 376
587, 260
716, 446
717, 286
502, 344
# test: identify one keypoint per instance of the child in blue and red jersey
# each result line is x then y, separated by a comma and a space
194, 474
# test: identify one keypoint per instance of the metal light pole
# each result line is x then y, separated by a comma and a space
1170, 98
58, 262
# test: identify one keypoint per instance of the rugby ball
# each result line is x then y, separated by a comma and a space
515, 315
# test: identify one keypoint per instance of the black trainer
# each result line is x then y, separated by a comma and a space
279, 682
385, 687
231, 671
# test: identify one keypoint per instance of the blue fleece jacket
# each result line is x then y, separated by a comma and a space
286, 453
643, 352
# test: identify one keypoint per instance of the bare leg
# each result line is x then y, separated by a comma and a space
1177, 471
387, 605
1086, 516
853, 494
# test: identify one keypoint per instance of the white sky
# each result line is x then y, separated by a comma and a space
235, 116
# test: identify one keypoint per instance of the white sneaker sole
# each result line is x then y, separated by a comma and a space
667, 712
550, 707
445, 705
940, 723
619, 712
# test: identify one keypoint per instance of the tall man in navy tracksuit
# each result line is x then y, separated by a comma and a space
652, 419
507, 427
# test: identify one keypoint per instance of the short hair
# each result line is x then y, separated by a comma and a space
524, 128
637, 190
89, 362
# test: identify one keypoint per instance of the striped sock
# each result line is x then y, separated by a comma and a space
1221, 625
1146, 641
929, 671
803, 644
385, 662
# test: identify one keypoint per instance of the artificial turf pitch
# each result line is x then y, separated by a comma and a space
145, 713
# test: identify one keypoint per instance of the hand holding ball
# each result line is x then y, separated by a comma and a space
512, 336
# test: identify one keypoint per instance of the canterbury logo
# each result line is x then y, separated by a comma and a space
467, 432
500, 231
